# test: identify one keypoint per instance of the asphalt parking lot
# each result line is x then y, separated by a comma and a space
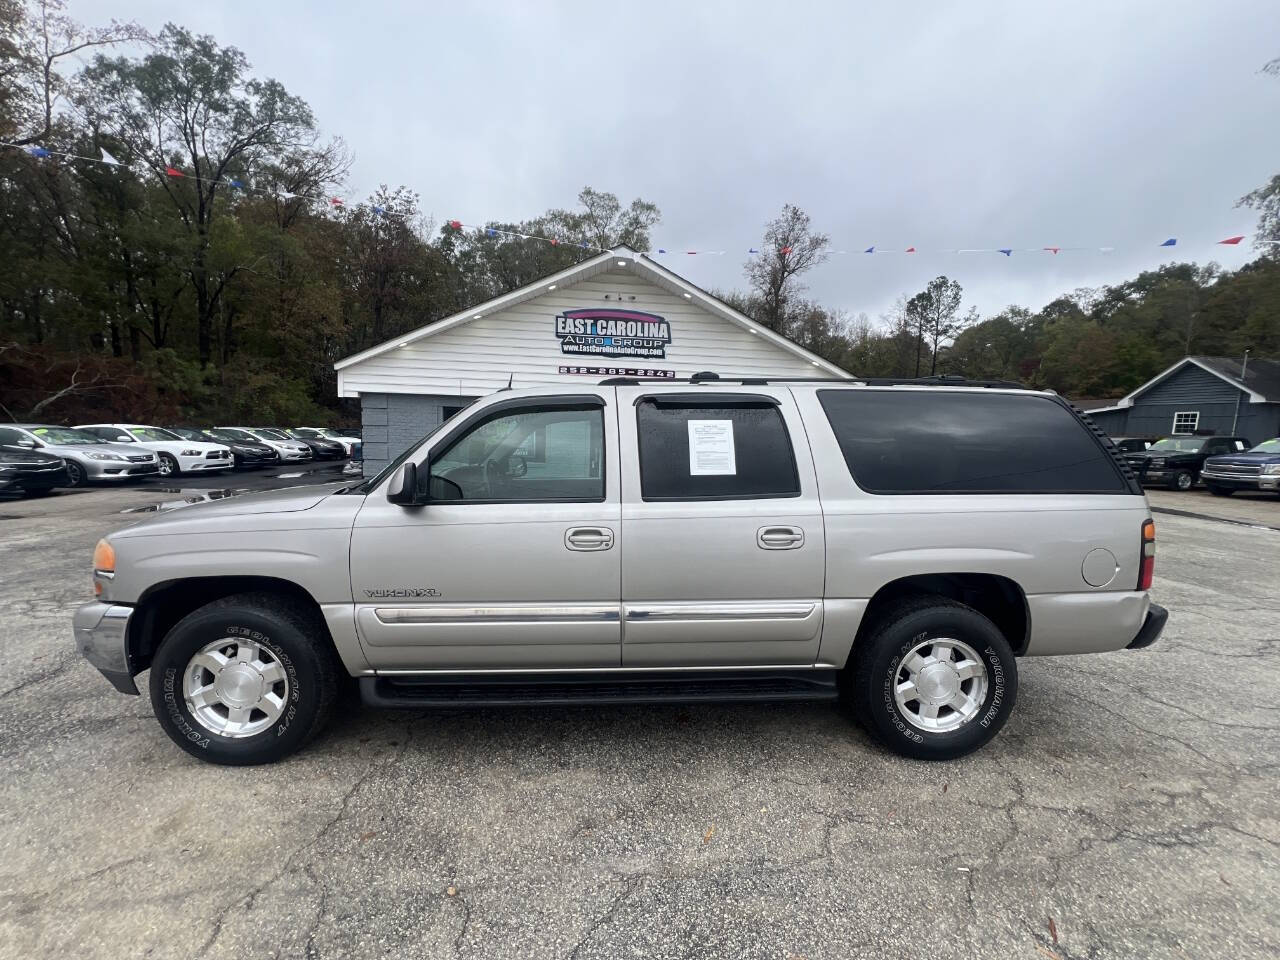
1129, 808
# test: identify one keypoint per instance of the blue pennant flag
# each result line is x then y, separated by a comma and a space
37, 151
869, 250
753, 250
660, 250
1171, 242
1007, 251
490, 232
378, 211
237, 184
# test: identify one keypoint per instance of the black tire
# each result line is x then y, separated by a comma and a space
1183, 480
1218, 491
877, 661
293, 634
168, 466
77, 476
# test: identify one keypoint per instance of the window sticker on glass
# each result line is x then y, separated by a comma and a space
711, 448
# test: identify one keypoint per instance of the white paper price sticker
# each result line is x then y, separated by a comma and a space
711, 448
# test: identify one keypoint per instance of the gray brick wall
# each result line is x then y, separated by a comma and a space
394, 421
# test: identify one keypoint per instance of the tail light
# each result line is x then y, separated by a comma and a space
1147, 568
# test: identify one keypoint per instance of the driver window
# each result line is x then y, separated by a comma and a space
525, 456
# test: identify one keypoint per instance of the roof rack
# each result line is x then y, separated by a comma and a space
708, 377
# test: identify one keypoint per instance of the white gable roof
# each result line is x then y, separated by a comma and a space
762, 352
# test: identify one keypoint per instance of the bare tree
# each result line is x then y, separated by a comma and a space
932, 314
790, 248
36, 40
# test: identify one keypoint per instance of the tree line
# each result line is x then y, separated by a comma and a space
130, 292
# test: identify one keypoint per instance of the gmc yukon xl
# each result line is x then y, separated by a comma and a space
895, 545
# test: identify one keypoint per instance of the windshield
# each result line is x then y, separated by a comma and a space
154, 433
273, 434
1267, 446
1179, 444
64, 435
186, 433
306, 432
391, 467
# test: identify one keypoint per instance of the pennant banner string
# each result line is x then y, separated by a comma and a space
338, 203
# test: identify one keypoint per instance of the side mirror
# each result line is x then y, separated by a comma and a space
123, 439
404, 486
29, 444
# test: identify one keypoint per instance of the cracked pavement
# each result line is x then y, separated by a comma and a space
1131, 799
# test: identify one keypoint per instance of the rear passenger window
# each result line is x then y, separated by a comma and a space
714, 449
934, 441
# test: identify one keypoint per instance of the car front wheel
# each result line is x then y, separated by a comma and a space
76, 476
934, 680
244, 680
168, 466
1182, 480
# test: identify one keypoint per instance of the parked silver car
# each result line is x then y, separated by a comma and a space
89, 460
897, 544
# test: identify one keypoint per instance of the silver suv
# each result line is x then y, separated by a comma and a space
895, 545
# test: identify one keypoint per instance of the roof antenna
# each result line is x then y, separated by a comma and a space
510, 377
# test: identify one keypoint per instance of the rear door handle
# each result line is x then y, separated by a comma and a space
779, 538
588, 538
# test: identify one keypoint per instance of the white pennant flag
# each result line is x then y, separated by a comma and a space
108, 158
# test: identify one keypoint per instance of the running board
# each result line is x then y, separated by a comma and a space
515, 690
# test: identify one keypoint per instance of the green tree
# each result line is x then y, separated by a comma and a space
932, 316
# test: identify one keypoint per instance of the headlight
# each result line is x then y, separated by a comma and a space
190, 453
104, 456
1271, 468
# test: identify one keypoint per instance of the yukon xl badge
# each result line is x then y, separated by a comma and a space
388, 593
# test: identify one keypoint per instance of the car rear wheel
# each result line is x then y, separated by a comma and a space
244, 680
76, 475
1218, 491
934, 679
1182, 480
168, 466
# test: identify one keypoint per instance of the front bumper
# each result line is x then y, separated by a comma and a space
102, 637
118, 469
1236, 481
203, 464
1152, 627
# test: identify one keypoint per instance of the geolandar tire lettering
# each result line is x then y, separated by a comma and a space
244, 680
932, 679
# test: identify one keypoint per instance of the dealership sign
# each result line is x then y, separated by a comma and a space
613, 333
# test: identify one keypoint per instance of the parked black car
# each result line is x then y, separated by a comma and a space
30, 473
321, 449
1133, 444
1175, 462
243, 453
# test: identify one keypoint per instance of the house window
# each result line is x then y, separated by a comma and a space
1186, 422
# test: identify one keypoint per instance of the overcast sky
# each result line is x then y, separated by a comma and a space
969, 124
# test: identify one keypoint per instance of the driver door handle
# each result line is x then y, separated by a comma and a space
588, 538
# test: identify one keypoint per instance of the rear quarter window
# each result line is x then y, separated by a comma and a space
935, 441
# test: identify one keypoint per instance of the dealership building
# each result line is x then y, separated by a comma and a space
617, 314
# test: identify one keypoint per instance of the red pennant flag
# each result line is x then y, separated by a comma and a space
784, 251
335, 201
456, 224
911, 250
554, 241
171, 172
1053, 250
1232, 241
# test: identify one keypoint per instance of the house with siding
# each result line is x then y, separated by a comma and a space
617, 314
1206, 395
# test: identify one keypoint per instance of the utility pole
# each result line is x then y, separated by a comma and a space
1244, 369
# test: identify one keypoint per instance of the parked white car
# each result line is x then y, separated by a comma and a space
176, 454
288, 449
325, 433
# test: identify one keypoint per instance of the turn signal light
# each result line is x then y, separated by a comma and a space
1147, 569
104, 565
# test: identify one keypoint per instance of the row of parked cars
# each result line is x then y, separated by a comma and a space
1223, 464
35, 458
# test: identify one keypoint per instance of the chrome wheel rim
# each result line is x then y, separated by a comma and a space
166, 466
74, 473
941, 685
1184, 481
235, 687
